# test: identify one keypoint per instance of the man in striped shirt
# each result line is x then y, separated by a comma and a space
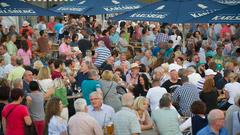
209, 73
101, 54
185, 95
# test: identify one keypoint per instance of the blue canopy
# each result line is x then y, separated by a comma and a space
228, 15
113, 6
172, 11
74, 7
20, 8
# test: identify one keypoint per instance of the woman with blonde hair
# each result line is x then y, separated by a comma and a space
140, 106
44, 79
209, 95
232, 88
108, 87
55, 124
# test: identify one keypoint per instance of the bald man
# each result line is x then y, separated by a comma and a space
215, 124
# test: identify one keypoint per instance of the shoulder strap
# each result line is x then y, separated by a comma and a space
108, 91
238, 114
11, 111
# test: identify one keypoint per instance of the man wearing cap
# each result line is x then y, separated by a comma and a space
65, 48
132, 77
209, 73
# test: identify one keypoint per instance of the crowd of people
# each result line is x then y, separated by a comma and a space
76, 76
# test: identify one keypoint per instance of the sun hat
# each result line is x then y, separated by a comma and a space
134, 65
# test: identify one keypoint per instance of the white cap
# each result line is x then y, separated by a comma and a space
210, 72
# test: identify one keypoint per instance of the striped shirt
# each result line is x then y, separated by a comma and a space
161, 37
185, 95
200, 84
126, 122
102, 54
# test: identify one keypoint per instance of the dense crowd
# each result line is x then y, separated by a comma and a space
77, 76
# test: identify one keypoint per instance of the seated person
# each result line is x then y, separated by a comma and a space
140, 106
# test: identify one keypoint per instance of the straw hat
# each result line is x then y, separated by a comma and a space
134, 65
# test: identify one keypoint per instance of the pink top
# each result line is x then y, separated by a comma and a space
15, 120
64, 49
25, 55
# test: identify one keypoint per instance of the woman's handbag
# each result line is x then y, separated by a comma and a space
30, 129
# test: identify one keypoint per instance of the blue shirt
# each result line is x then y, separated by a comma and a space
155, 51
89, 86
104, 116
80, 78
207, 131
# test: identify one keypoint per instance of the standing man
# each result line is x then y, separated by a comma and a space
185, 95
215, 124
89, 126
125, 120
65, 48
101, 54
4, 53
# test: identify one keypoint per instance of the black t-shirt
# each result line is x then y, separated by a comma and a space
221, 83
84, 45
210, 99
170, 86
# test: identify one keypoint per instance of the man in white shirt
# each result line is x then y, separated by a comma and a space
102, 113
155, 94
193, 76
2, 68
82, 123
4, 53
12, 65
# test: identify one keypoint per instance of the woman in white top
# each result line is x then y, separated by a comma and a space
44, 79
55, 124
232, 88
176, 38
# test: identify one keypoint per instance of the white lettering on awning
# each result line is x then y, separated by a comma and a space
139, 15
17, 11
121, 8
202, 13
77, 9
226, 18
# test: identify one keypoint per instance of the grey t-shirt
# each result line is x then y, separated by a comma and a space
36, 108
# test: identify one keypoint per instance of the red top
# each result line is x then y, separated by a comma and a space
15, 120
56, 74
30, 31
51, 25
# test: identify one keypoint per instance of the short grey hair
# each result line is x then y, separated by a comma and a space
17, 83
214, 115
101, 43
158, 69
80, 105
92, 73
191, 69
95, 93
236, 99
127, 99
